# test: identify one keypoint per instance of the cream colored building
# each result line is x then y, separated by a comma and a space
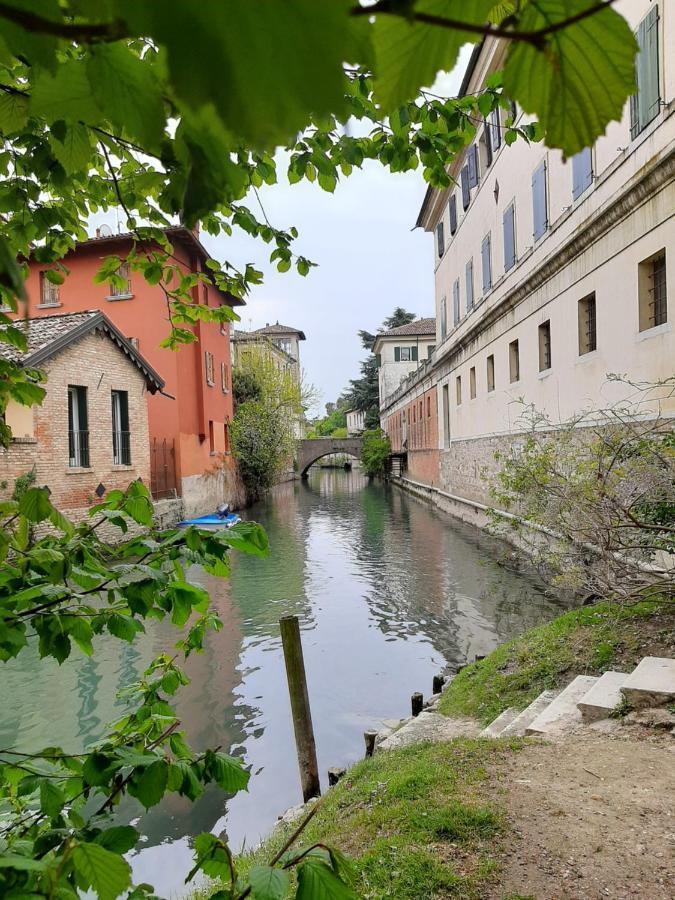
400, 351
551, 274
356, 421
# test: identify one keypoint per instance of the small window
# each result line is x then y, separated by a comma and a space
486, 146
120, 286
226, 438
646, 101
452, 206
491, 372
120, 426
509, 238
496, 129
652, 293
209, 367
539, 201
472, 382
135, 342
49, 292
466, 190
430, 350
545, 346
458, 389
78, 427
587, 325
469, 284
514, 362
455, 302
486, 263
444, 319
224, 378
405, 354
428, 407
223, 329
472, 159
440, 241
446, 417
582, 172
212, 437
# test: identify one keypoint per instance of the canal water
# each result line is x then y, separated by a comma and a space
388, 591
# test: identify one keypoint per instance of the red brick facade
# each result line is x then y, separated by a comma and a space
412, 427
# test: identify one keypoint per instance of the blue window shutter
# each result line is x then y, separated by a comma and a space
582, 172
444, 319
486, 264
496, 129
455, 301
473, 165
539, 204
469, 284
466, 190
397, 354
509, 238
453, 213
413, 353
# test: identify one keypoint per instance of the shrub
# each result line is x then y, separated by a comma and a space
374, 452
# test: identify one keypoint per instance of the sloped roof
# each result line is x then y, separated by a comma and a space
281, 329
418, 327
49, 335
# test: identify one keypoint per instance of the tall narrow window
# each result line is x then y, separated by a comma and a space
120, 286
444, 318
452, 206
587, 325
458, 390
78, 427
120, 426
440, 240
545, 346
49, 292
652, 293
582, 172
469, 284
455, 302
496, 129
491, 372
646, 101
539, 201
466, 189
472, 382
514, 362
486, 146
509, 238
486, 263
212, 438
472, 159
226, 437
209, 367
224, 378
446, 417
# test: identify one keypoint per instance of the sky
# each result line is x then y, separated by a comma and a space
370, 260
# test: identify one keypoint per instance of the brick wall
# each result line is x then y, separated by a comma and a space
96, 363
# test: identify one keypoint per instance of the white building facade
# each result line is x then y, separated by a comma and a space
400, 351
356, 421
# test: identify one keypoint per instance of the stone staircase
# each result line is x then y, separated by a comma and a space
588, 699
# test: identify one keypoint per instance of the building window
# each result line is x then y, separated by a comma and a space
49, 292
226, 437
496, 129
405, 354
444, 319
430, 350
428, 407
458, 390
486, 262
486, 146
514, 362
78, 427
452, 207
135, 342
587, 325
466, 190
472, 159
545, 346
646, 101
209, 367
223, 329
446, 417
469, 284
120, 286
582, 172
510, 238
491, 372
472, 382
120, 428
455, 302
539, 201
224, 379
212, 437
652, 295
440, 242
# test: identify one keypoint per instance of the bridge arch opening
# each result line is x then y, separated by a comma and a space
311, 451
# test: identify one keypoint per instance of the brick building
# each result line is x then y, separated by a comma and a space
410, 418
189, 420
92, 427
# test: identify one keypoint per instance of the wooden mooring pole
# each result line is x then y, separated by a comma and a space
302, 716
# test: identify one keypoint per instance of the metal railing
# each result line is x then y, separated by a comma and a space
78, 449
121, 448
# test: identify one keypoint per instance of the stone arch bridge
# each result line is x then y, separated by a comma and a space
309, 451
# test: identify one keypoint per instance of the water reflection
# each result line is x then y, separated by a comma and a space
388, 592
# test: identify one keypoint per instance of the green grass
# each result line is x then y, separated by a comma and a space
419, 822
588, 640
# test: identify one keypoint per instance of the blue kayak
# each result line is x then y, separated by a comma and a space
213, 521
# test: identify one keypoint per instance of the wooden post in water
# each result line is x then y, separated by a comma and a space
302, 716
437, 684
416, 703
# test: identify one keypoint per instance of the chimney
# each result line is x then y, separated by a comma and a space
267, 324
98, 232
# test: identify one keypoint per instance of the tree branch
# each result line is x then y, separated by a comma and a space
72, 31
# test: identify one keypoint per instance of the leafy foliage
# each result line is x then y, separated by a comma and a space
374, 452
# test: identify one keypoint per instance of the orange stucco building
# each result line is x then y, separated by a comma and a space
189, 420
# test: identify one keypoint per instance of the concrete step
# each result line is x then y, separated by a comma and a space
603, 697
562, 714
525, 718
494, 729
652, 683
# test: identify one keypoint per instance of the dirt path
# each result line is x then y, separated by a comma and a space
593, 818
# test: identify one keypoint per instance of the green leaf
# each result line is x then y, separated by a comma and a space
119, 839
52, 798
149, 785
247, 537
22, 863
13, 113
35, 504
268, 883
583, 78
409, 55
11, 276
186, 597
106, 873
98, 769
316, 881
74, 153
226, 771
66, 94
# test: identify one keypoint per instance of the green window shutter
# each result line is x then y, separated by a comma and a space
539, 201
413, 354
378, 360
397, 354
645, 103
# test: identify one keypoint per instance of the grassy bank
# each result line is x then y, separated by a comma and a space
417, 822
585, 641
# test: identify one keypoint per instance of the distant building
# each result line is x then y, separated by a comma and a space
356, 421
90, 434
400, 351
287, 339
